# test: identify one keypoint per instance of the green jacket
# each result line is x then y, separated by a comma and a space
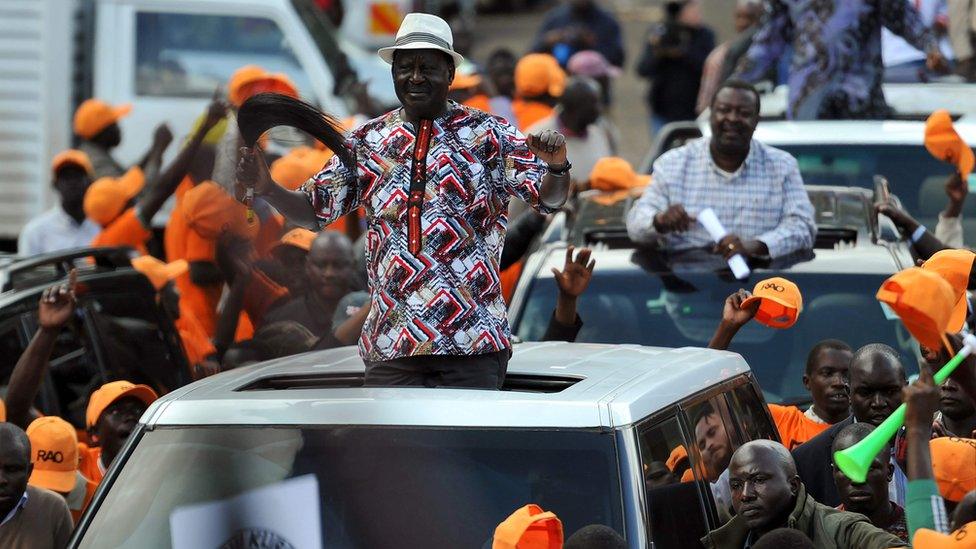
826, 527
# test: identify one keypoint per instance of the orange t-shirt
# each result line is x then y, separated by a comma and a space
794, 426
125, 230
174, 237
201, 300
269, 234
529, 112
509, 279
480, 102
88, 462
196, 344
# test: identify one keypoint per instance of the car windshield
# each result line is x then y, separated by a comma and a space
913, 174
353, 486
680, 309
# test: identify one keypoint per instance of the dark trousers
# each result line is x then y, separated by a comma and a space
485, 371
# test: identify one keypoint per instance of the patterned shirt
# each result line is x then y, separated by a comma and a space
836, 70
763, 200
445, 300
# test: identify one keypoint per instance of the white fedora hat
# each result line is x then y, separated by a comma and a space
421, 31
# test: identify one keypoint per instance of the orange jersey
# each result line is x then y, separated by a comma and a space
529, 112
125, 230
88, 462
794, 426
196, 344
174, 237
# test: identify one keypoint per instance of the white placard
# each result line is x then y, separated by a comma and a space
284, 514
710, 221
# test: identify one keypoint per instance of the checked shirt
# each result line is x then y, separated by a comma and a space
446, 298
764, 200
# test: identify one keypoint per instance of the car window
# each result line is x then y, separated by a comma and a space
715, 438
749, 414
674, 503
189, 55
373, 486
630, 305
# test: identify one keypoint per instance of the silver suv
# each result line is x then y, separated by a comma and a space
297, 451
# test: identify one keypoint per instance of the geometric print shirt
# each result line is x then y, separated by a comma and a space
763, 200
446, 299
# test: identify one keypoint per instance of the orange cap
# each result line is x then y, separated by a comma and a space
240, 77
679, 454
94, 115
54, 453
954, 466
72, 157
944, 143
111, 392
465, 81
299, 238
954, 266
963, 538
251, 80
529, 528
107, 197
923, 301
780, 302
300, 164
157, 272
210, 211
538, 74
613, 173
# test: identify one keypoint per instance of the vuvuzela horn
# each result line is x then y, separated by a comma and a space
856, 460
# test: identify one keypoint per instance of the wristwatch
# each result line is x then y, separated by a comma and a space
561, 170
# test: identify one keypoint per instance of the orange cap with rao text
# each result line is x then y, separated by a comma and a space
923, 301
158, 272
613, 173
780, 302
94, 115
54, 453
944, 143
72, 157
954, 266
538, 74
529, 528
954, 466
107, 197
111, 392
963, 538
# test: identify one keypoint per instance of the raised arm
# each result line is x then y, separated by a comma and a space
550, 147
922, 499
54, 310
572, 281
734, 317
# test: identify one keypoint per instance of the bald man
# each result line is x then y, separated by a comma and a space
767, 494
877, 378
32, 518
329, 275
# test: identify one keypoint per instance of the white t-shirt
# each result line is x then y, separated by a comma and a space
55, 230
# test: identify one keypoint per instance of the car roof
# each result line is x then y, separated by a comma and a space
860, 132
616, 385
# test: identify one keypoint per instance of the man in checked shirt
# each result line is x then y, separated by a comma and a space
434, 178
756, 190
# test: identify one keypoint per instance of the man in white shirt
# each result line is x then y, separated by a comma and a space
64, 226
903, 62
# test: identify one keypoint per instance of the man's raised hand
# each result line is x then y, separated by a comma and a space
58, 303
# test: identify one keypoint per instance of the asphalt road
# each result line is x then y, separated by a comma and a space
516, 31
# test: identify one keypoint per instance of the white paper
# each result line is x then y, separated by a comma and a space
286, 512
710, 221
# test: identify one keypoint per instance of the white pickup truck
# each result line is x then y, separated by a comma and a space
164, 56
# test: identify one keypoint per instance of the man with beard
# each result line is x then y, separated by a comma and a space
869, 498
434, 178
877, 378
767, 494
755, 190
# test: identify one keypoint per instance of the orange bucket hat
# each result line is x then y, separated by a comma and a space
94, 115
537, 74
111, 392
301, 163
72, 157
298, 238
944, 143
210, 211
158, 272
54, 453
529, 528
954, 466
954, 266
923, 301
107, 197
613, 173
963, 538
780, 302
